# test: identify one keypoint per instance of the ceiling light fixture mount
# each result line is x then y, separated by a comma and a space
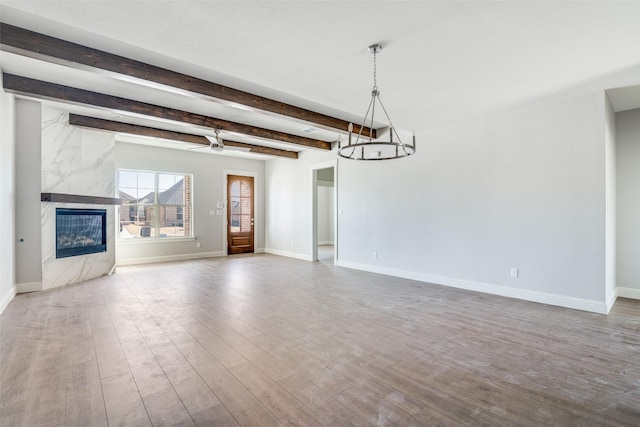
370, 149
215, 142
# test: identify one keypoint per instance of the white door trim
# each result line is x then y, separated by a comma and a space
314, 207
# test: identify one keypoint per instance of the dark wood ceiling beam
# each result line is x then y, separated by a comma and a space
52, 91
29, 43
131, 129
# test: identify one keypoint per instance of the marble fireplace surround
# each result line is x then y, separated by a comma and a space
77, 171
65, 271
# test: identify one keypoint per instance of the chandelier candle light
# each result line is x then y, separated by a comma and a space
363, 149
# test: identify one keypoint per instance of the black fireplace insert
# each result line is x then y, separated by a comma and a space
80, 231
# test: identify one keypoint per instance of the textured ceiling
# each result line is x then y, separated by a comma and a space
442, 62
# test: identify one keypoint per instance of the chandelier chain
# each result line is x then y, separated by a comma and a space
375, 71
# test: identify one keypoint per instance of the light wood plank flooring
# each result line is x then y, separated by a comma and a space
269, 341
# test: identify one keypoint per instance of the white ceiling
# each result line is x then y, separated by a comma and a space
442, 62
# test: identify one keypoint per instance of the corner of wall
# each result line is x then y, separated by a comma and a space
628, 292
610, 201
7, 199
627, 147
288, 254
7, 298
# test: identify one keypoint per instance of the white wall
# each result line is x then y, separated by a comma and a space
628, 212
7, 199
325, 213
289, 204
209, 183
28, 245
523, 188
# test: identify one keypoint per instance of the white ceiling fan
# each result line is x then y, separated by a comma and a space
216, 143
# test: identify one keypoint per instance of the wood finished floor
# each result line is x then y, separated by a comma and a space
269, 341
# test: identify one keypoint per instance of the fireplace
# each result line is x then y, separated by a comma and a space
80, 231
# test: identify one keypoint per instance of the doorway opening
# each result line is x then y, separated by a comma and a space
324, 213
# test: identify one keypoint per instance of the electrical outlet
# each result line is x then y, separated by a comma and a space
375, 255
514, 272
198, 244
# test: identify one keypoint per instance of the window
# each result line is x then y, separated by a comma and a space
154, 204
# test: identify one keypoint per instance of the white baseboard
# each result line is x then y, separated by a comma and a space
288, 254
611, 299
541, 297
28, 287
258, 251
325, 242
625, 292
169, 258
4, 302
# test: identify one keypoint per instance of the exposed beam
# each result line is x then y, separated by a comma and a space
33, 44
114, 126
52, 91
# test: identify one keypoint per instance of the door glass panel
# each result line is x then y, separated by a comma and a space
245, 223
246, 206
235, 189
246, 190
235, 205
234, 226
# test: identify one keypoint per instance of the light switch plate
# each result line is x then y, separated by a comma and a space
219, 212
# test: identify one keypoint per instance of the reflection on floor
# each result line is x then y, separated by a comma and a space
264, 340
325, 253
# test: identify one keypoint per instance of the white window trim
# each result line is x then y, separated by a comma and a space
155, 239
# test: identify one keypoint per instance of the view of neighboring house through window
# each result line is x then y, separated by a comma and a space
154, 204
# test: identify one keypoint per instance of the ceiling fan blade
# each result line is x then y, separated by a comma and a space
234, 148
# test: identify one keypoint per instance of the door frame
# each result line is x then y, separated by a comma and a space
314, 208
257, 213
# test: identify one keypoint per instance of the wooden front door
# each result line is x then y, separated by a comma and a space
239, 214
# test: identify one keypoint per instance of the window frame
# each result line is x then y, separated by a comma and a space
157, 238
